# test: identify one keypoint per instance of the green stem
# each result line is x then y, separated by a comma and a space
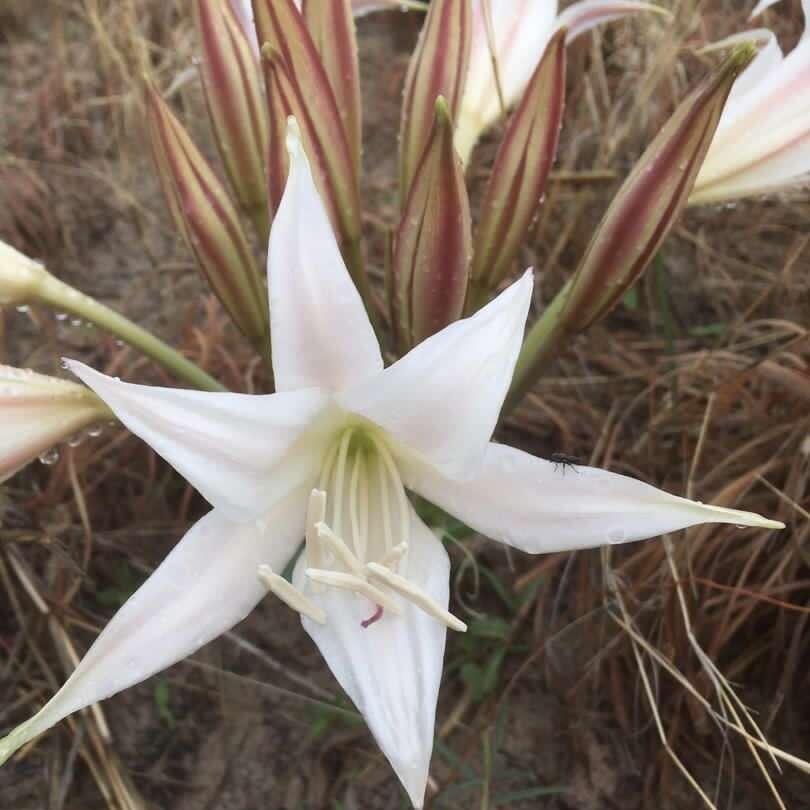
63, 298
541, 345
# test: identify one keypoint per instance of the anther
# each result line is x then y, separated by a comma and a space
316, 513
394, 555
415, 595
350, 582
291, 596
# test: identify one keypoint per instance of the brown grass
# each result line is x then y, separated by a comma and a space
702, 387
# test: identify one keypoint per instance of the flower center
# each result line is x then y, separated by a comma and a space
358, 534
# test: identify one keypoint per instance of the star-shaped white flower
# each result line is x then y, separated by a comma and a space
332, 457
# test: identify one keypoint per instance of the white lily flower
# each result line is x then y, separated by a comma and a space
762, 143
331, 457
521, 30
39, 412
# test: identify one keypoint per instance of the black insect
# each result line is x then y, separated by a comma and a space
562, 462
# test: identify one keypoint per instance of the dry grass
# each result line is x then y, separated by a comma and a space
701, 386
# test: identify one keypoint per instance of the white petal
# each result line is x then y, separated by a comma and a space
521, 31
539, 506
244, 13
443, 398
321, 333
392, 669
241, 452
204, 587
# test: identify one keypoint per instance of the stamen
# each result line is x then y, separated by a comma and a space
358, 539
340, 474
386, 505
350, 582
373, 619
399, 487
290, 595
415, 595
316, 514
341, 550
392, 557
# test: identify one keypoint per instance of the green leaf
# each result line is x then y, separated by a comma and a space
162, 702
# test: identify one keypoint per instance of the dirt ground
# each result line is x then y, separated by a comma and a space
256, 720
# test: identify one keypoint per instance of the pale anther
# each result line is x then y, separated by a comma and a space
350, 582
392, 557
289, 595
340, 549
316, 513
415, 595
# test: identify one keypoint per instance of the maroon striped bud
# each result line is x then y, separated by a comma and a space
433, 245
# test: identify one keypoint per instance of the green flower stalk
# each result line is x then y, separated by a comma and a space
639, 219
24, 282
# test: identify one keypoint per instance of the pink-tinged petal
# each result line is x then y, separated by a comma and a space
391, 669
441, 401
243, 9
206, 585
39, 412
322, 336
761, 142
241, 452
539, 506
587, 14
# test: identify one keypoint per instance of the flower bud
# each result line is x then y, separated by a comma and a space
433, 245
520, 172
207, 218
651, 199
233, 91
331, 25
38, 412
438, 67
638, 220
19, 276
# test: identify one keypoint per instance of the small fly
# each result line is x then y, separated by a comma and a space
562, 462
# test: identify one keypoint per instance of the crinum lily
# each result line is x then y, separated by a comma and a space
762, 143
515, 43
331, 457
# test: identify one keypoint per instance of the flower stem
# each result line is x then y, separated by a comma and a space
56, 294
541, 345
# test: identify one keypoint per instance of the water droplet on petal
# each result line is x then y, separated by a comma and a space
50, 457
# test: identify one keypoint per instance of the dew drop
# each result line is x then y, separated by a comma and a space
50, 457
23, 308
95, 431
61, 316
75, 440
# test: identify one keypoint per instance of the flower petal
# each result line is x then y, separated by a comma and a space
443, 398
391, 669
241, 452
206, 585
321, 334
539, 506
